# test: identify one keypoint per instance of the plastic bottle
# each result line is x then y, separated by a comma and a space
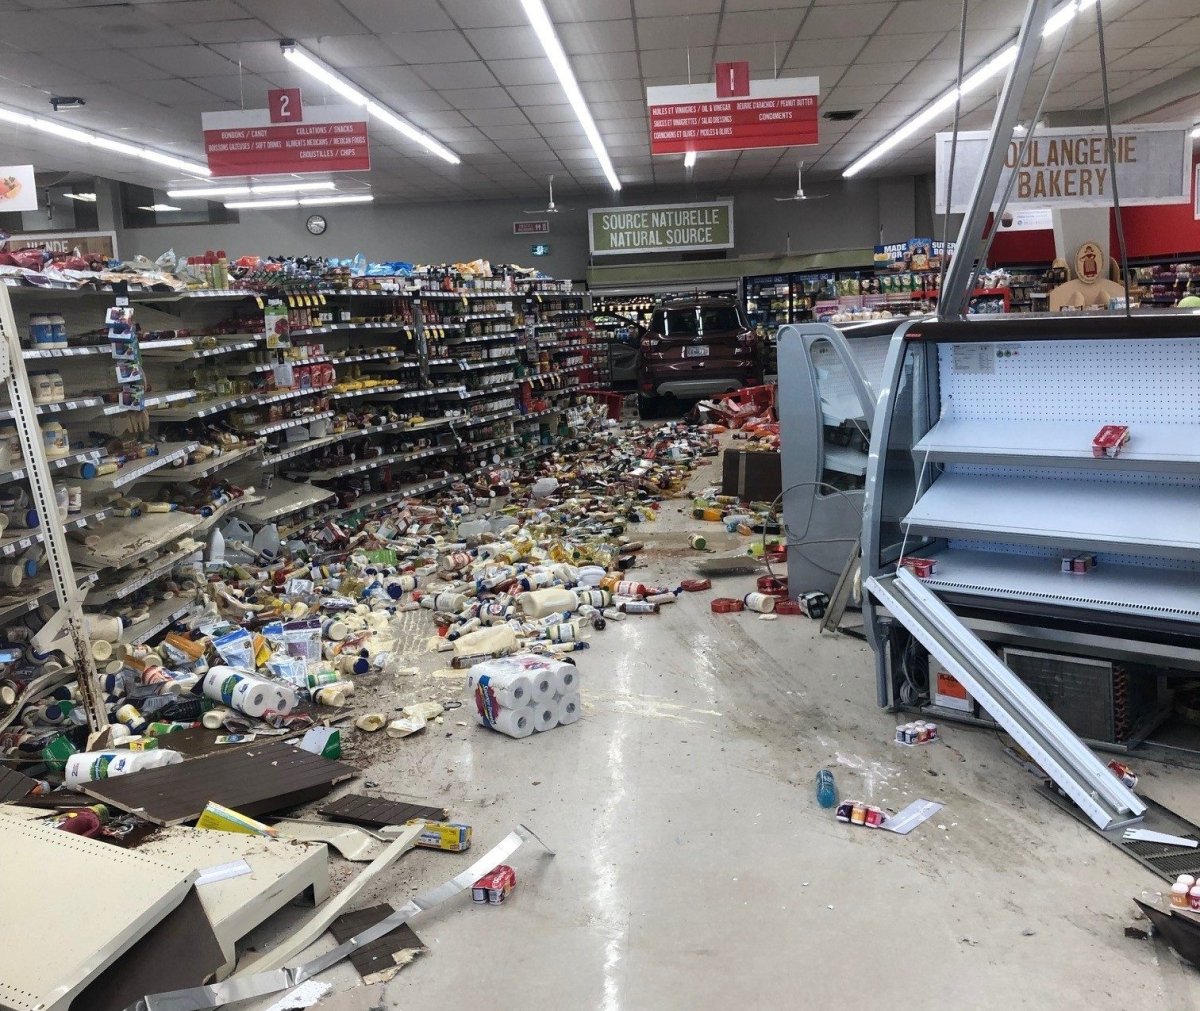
540, 603
826, 789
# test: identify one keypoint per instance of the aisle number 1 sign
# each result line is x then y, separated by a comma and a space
733, 113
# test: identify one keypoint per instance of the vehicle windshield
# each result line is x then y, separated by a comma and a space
698, 320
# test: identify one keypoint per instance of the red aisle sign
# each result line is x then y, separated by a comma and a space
733, 79
328, 139
285, 105
692, 117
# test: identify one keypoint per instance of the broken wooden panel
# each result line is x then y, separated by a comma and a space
14, 785
381, 959
376, 811
252, 781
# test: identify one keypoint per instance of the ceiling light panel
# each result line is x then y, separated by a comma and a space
1058, 21
543, 27
356, 96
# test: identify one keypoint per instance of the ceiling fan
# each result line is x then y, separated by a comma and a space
550, 208
800, 194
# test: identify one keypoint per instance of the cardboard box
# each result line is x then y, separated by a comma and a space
752, 476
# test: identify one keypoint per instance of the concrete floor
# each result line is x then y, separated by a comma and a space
694, 868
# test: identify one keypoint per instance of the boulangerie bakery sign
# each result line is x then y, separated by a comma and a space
325, 138
1073, 167
733, 113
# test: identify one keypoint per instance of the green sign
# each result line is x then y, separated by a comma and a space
540, 249
661, 228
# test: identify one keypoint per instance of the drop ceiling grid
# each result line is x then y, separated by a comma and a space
472, 73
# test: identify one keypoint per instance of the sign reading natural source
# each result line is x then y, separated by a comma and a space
661, 228
781, 112
326, 138
1070, 167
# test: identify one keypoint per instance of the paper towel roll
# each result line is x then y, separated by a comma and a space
566, 679
544, 684
510, 688
544, 714
515, 722
570, 708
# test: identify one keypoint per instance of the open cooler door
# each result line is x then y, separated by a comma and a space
1030, 722
826, 403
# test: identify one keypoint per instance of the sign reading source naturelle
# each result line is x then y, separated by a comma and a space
661, 228
1070, 167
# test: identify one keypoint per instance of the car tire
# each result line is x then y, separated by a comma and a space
647, 406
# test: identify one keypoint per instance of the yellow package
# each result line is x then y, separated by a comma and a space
452, 837
224, 819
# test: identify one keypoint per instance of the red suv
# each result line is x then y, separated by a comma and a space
696, 348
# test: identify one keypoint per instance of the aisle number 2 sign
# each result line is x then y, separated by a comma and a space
284, 105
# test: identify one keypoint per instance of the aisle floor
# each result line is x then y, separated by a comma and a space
694, 868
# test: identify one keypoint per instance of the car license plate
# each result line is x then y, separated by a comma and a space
696, 351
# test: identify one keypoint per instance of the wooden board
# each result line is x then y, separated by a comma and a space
14, 785
253, 781
376, 811
378, 961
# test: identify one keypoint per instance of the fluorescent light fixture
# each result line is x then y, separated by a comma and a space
315, 187
246, 190
267, 205
87, 137
996, 64
535, 10
259, 205
689, 160
342, 198
376, 110
84, 198
1196, 132
160, 208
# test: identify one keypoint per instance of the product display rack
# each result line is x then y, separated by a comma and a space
989, 472
374, 391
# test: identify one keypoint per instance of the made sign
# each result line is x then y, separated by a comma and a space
661, 228
531, 227
326, 138
781, 112
1070, 167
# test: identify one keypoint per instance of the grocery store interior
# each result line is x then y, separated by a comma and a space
486, 485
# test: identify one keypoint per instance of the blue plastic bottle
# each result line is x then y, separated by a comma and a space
826, 789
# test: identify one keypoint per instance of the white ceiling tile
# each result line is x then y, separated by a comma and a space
241, 30
673, 63
606, 67
670, 33
1165, 9
1153, 57
843, 22
186, 12
1128, 34
416, 101
536, 70
36, 33
386, 16
388, 83
437, 120
347, 52
514, 132
431, 47
763, 57
821, 53
485, 13
496, 117
899, 48
477, 98
857, 98
624, 89
878, 73
536, 94
473, 74
618, 110
544, 114
739, 28
258, 57
307, 18
597, 37
459, 135
588, 10
676, 8
514, 43
189, 61
248, 87
560, 131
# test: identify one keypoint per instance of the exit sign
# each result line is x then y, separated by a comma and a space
540, 249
